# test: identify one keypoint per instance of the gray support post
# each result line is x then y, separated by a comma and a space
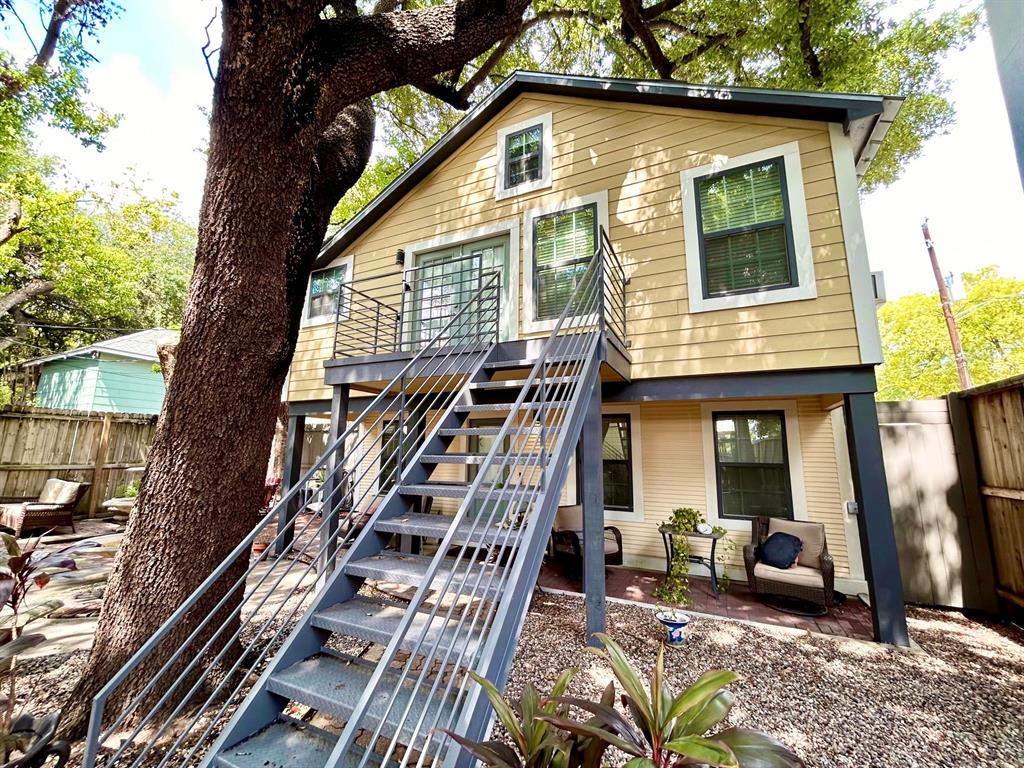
591, 496
292, 473
877, 541
334, 490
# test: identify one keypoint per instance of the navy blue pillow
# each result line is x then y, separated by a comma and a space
780, 550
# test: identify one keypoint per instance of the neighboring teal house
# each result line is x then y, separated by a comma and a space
120, 374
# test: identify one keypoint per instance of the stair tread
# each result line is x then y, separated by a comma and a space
333, 685
377, 621
472, 458
437, 526
460, 491
487, 431
411, 570
505, 407
284, 743
501, 384
495, 365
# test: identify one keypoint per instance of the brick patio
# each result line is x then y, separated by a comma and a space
851, 619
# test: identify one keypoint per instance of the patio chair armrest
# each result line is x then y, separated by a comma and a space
616, 533
36, 506
17, 499
828, 576
749, 561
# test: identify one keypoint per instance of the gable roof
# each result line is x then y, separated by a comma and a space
140, 345
866, 118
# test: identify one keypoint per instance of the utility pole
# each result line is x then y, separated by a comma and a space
947, 311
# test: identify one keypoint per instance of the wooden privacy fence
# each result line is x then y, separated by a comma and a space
997, 421
98, 448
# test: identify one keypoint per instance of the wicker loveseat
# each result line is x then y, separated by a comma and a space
811, 578
54, 507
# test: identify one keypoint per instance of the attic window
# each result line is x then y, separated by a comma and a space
523, 154
524, 157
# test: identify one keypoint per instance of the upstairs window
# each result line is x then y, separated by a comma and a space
524, 157
746, 241
524, 153
751, 463
563, 245
325, 292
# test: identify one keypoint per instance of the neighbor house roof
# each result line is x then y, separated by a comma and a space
140, 345
866, 118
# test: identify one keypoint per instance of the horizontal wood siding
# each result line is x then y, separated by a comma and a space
67, 384
673, 476
125, 386
635, 153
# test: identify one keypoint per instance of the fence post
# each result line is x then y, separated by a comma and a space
99, 466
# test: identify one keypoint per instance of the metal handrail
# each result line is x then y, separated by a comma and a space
432, 377
558, 354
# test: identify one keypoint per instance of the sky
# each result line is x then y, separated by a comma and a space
152, 71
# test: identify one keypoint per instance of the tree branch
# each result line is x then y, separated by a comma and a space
349, 59
634, 20
34, 287
810, 56
9, 227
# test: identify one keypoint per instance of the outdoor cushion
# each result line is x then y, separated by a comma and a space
11, 515
569, 518
780, 550
58, 492
811, 534
797, 574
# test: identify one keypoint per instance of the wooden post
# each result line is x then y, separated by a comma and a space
99, 464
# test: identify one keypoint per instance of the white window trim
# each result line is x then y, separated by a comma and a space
803, 258
311, 322
633, 411
793, 456
509, 308
530, 322
544, 121
864, 306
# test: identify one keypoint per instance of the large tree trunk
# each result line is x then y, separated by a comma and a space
262, 221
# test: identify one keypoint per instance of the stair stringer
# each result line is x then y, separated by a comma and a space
476, 716
261, 707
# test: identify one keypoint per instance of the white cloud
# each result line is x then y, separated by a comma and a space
159, 138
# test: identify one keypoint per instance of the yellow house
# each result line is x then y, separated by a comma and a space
706, 244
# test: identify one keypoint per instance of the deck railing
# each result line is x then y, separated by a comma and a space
399, 311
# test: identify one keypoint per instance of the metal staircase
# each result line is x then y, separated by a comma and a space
272, 643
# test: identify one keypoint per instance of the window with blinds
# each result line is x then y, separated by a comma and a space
617, 460
745, 234
563, 244
751, 461
523, 156
325, 292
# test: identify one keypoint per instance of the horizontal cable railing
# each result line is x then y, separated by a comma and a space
402, 312
496, 534
168, 704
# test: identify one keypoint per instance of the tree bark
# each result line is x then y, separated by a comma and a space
30, 290
291, 131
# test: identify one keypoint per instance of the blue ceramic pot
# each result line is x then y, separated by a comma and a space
675, 622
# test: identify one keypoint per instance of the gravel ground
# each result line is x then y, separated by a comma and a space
837, 702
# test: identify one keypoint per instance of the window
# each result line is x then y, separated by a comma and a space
393, 448
563, 244
617, 459
751, 465
524, 156
745, 237
325, 292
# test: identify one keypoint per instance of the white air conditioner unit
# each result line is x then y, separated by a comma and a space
878, 287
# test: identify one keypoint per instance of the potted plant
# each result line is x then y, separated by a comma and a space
22, 570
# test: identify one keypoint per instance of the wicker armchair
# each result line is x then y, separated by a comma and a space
567, 539
811, 578
54, 507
